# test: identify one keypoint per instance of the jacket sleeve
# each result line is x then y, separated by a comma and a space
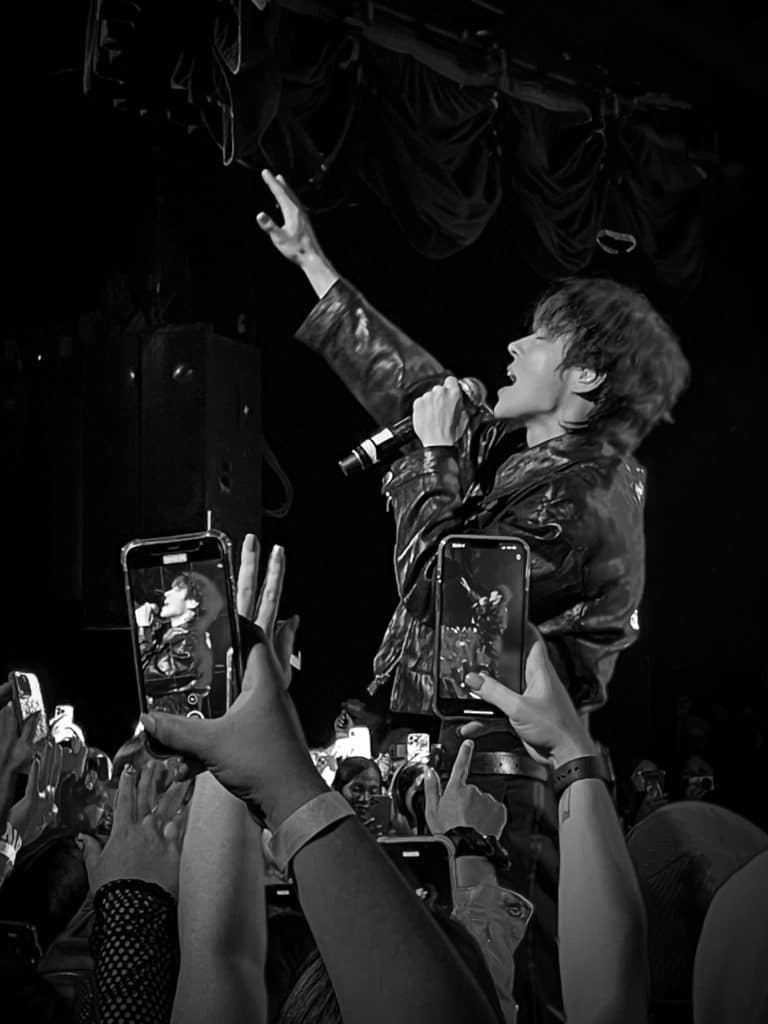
427, 498
377, 362
586, 572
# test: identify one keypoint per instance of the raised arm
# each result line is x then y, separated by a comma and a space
601, 919
379, 364
222, 921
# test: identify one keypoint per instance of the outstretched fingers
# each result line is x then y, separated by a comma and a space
247, 576
277, 186
271, 591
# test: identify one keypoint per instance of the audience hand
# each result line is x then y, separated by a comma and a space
15, 753
261, 611
141, 844
6, 693
74, 758
462, 805
544, 716
257, 750
37, 809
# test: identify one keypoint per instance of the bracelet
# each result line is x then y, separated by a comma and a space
468, 842
308, 821
593, 767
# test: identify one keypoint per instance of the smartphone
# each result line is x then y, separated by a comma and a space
19, 939
181, 607
380, 809
27, 699
480, 620
356, 744
282, 896
427, 864
417, 748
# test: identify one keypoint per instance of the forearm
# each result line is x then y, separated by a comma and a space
601, 917
377, 362
368, 924
222, 918
320, 274
135, 951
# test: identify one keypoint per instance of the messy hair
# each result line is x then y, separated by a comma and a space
614, 330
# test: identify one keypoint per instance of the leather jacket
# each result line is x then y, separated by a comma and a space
577, 502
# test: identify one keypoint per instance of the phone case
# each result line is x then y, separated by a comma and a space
182, 539
489, 712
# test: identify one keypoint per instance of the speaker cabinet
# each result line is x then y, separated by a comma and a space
172, 444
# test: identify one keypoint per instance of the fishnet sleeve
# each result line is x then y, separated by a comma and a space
135, 949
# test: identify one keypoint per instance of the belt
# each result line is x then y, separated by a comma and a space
503, 763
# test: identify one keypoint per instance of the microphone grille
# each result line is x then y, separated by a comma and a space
474, 390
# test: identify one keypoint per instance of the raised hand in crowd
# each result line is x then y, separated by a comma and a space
602, 943
16, 750
222, 917
461, 805
37, 809
295, 239
142, 843
257, 751
259, 605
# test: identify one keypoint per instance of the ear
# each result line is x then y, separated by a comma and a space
584, 380
192, 604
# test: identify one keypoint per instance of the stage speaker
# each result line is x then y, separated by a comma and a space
172, 444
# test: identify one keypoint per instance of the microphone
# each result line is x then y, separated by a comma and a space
381, 445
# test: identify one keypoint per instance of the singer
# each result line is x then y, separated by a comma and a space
553, 464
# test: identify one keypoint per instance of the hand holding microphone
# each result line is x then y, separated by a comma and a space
438, 417
145, 614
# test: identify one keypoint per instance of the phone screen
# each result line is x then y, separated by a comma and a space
426, 864
418, 747
29, 699
183, 621
482, 607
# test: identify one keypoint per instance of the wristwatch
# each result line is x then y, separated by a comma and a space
468, 842
596, 766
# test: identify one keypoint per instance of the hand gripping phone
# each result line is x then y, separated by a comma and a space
27, 699
183, 619
481, 614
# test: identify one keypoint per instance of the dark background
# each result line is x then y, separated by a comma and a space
85, 187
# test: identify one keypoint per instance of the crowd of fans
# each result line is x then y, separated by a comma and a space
243, 877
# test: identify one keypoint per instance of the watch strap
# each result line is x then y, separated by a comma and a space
595, 766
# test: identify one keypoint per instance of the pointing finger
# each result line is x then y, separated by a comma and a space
461, 765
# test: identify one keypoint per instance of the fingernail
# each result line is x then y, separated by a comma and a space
79, 841
277, 551
473, 680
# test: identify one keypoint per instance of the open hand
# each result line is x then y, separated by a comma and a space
37, 809
461, 805
141, 844
16, 751
295, 239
